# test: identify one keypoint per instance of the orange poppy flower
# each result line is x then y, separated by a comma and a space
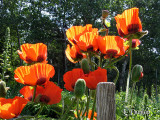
36, 74
75, 32
11, 108
33, 52
99, 75
73, 54
128, 22
111, 46
49, 94
71, 77
89, 115
88, 41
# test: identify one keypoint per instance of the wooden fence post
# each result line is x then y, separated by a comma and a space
105, 101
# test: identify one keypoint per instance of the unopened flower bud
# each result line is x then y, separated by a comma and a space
3, 89
85, 66
137, 73
80, 88
105, 13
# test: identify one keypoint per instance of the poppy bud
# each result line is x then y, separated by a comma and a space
80, 88
85, 66
137, 73
3, 89
105, 13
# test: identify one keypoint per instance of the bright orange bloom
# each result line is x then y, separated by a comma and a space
71, 77
88, 41
75, 32
99, 75
73, 53
89, 115
36, 74
111, 46
11, 108
33, 52
128, 22
49, 94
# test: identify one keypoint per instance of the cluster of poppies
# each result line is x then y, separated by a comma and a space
84, 41
36, 78
87, 39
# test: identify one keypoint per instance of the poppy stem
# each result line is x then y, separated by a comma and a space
64, 115
134, 84
93, 107
103, 20
130, 66
87, 104
24, 117
78, 114
116, 78
40, 110
100, 60
34, 93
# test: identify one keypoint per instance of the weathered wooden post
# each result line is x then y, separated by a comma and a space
106, 107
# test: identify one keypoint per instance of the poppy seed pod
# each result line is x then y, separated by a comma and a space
105, 13
85, 66
3, 89
80, 88
137, 73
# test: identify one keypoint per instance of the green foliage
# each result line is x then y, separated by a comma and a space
143, 108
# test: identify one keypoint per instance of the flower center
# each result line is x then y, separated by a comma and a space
30, 98
133, 43
28, 60
79, 56
41, 81
40, 58
90, 48
133, 28
44, 99
111, 53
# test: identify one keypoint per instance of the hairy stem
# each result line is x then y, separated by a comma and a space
130, 66
93, 107
34, 93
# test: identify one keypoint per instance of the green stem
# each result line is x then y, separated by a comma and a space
40, 110
93, 107
116, 78
100, 60
82, 106
94, 64
34, 93
134, 84
78, 114
103, 21
24, 117
87, 104
130, 66
64, 115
